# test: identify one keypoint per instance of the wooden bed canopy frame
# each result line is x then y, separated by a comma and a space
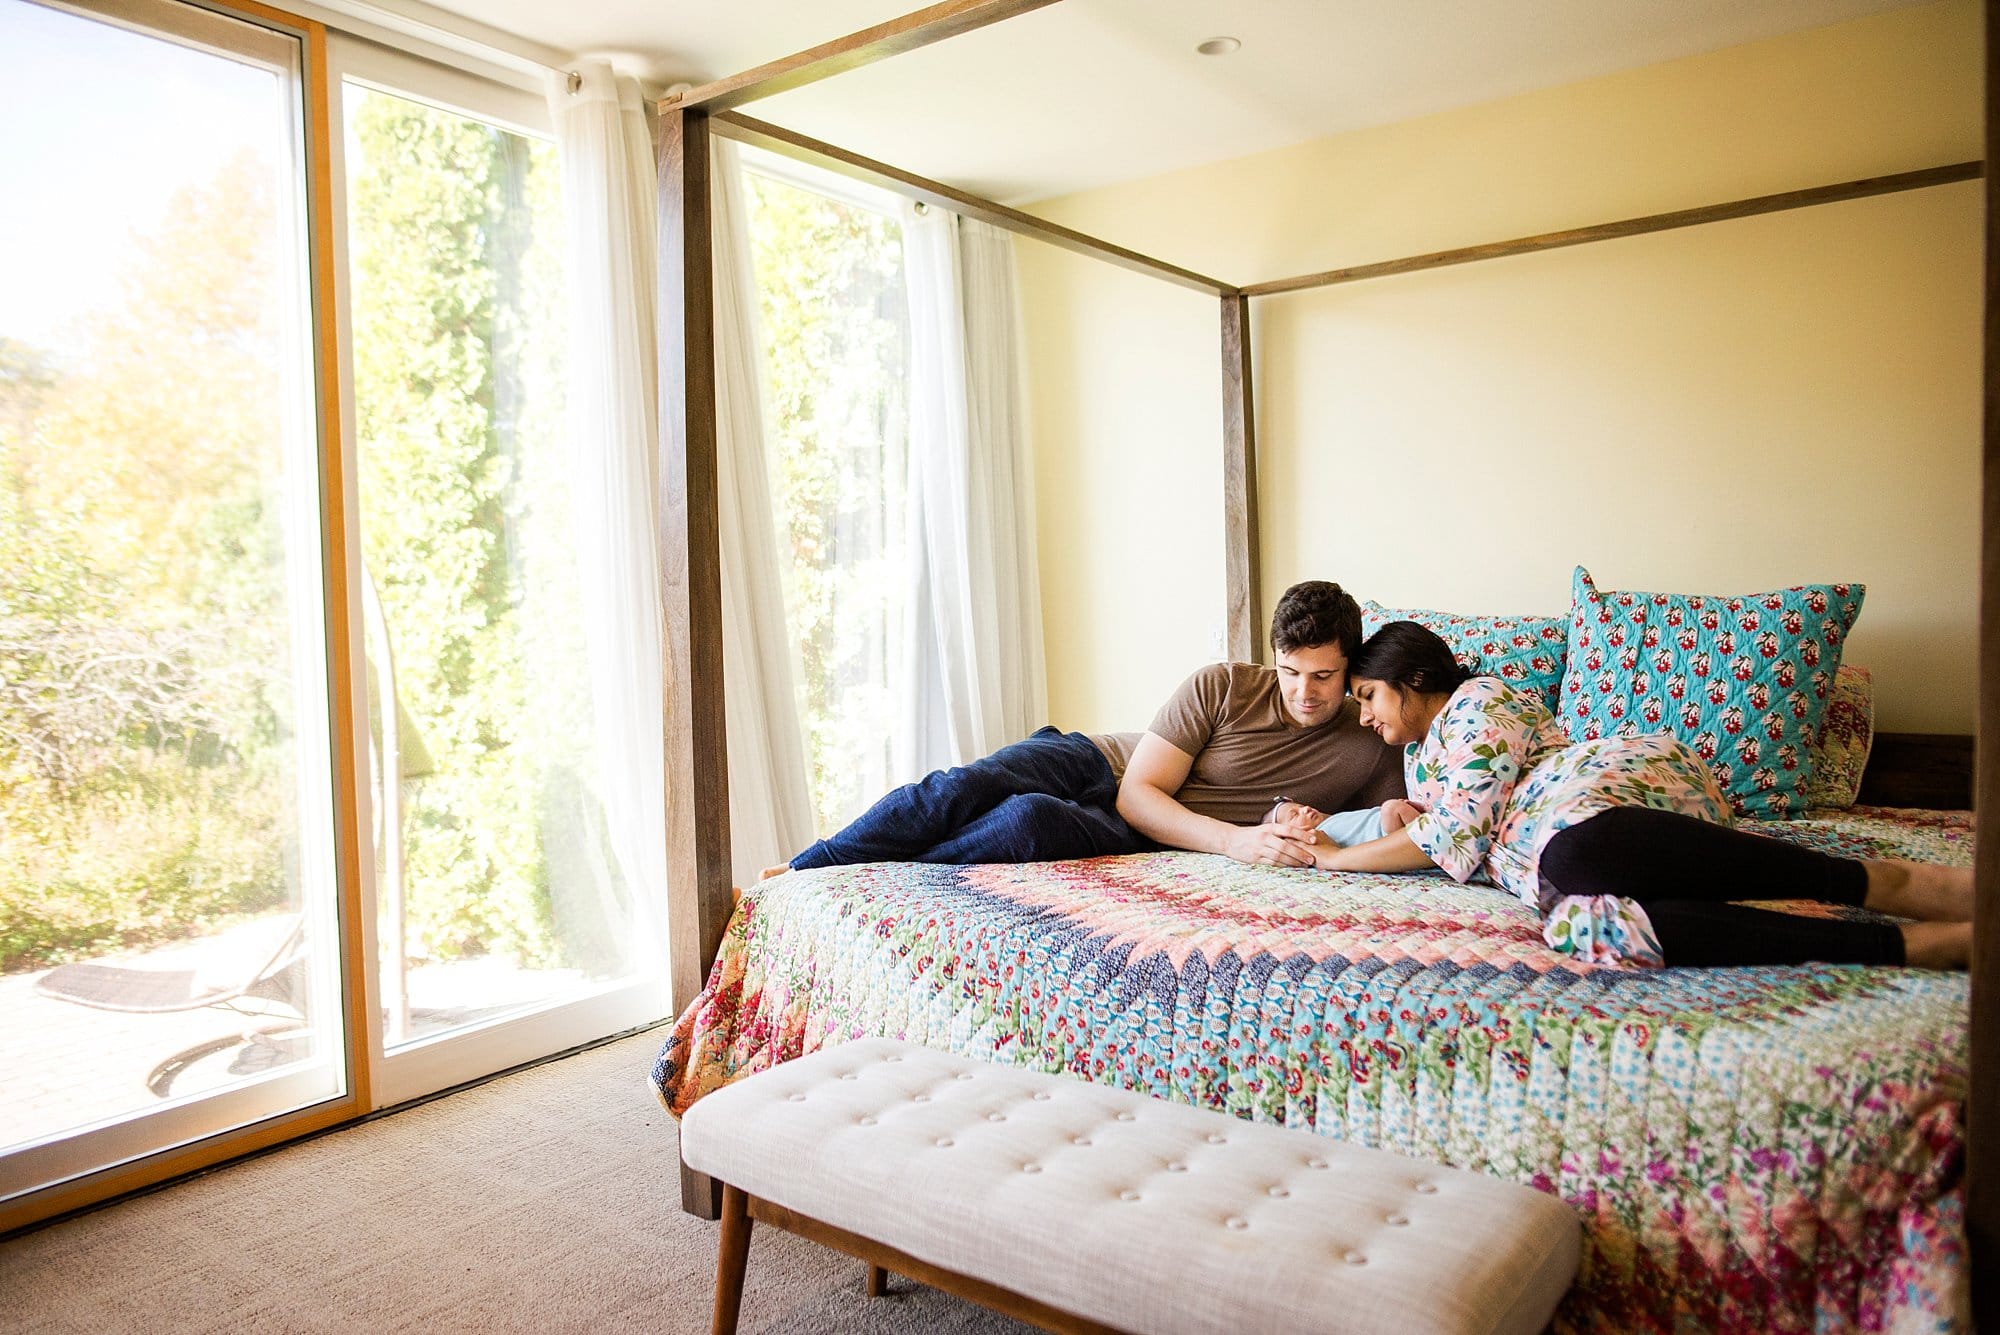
1916, 769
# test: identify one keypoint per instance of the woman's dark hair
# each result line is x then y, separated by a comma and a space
1314, 613
1409, 657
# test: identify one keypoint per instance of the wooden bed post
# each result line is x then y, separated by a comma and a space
1243, 639
697, 761
1982, 1168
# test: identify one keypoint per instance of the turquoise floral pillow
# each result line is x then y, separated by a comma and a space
1743, 680
1527, 651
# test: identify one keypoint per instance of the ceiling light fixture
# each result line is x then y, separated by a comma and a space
1218, 46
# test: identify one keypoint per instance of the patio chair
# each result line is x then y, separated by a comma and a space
265, 963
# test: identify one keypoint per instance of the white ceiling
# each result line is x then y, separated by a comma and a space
1088, 92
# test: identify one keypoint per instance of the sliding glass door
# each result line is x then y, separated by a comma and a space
302, 810
505, 924
169, 939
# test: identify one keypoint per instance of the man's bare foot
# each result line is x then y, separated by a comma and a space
1937, 945
778, 870
1920, 890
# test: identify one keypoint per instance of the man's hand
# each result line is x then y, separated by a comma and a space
1271, 846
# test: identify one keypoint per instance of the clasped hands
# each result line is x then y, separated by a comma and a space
1296, 841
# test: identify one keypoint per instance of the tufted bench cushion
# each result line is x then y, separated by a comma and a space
1126, 1210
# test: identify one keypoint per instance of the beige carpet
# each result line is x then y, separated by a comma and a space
545, 1201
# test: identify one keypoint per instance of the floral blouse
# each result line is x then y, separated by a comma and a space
1498, 778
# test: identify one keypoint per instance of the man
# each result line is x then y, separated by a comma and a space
1237, 736
1230, 740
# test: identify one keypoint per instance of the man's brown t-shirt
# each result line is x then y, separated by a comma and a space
1247, 750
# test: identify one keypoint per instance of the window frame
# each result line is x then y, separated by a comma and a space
821, 181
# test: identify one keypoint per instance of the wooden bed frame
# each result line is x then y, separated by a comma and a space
1906, 769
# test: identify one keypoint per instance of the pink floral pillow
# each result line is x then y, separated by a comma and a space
1845, 738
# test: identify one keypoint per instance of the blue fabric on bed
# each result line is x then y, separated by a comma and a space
1046, 798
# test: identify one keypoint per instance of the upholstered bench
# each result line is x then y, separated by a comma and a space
1081, 1207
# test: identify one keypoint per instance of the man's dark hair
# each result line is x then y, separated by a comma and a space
1314, 613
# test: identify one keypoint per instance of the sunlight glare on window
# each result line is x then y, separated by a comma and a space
833, 320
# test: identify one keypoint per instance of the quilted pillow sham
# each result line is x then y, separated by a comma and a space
1742, 679
1527, 651
1846, 736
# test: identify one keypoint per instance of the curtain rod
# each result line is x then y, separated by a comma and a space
430, 33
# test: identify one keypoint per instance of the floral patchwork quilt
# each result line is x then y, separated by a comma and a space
1772, 1149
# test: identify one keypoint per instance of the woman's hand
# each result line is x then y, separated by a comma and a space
1329, 856
1392, 853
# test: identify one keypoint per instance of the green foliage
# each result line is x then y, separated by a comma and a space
454, 237
833, 328
148, 783
138, 856
142, 688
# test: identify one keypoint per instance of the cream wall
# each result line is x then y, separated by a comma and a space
1718, 409
1125, 415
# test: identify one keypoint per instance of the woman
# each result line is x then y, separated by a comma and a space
1624, 844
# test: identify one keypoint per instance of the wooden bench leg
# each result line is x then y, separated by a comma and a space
731, 1254
878, 1281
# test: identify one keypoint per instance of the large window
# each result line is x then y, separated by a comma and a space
302, 810
168, 941
496, 887
834, 322
505, 924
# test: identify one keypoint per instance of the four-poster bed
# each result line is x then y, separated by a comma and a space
700, 896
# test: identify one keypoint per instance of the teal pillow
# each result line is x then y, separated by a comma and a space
1527, 651
1742, 679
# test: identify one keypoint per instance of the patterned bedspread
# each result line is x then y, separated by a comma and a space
1750, 1149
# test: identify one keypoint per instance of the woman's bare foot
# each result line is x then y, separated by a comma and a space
1937, 945
1920, 890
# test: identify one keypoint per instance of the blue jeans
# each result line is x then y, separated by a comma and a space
1045, 798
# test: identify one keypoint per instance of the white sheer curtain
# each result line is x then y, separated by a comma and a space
608, 181
1001, 483
770, 809
974, 668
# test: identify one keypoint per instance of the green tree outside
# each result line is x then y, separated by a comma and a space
143, 688
456, 253
145, 697
834, 333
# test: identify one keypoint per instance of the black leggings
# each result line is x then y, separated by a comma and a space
1684, 872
